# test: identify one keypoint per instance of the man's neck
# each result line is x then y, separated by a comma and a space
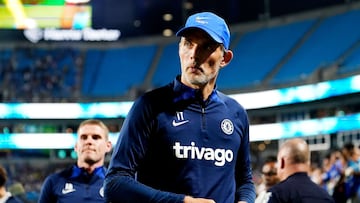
296, 168
2, 192
89, 168
4, 195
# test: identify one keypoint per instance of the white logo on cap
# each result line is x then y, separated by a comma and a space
201, 20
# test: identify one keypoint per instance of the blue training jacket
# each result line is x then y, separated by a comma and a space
74, 185
178, 144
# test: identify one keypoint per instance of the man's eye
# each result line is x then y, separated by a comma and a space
187, 43
211, 47
206, 47
96, 137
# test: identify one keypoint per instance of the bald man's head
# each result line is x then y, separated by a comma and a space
297, 151
293, 156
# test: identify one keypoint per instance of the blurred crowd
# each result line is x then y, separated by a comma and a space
25, 178
338, 174
40, 75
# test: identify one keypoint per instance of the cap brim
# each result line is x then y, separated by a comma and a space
212, 34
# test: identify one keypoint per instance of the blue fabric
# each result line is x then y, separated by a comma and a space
13, 199
352, 182
298, 188
174, 144
73, 184
215, 26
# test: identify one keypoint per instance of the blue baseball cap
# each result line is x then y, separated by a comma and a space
212, 24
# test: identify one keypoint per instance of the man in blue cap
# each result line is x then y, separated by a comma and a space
186, 142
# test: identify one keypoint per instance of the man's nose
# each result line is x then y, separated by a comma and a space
89, 140
197, 55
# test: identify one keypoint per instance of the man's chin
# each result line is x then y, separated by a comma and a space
89, 160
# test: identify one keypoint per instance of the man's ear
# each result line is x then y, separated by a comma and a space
76, 146
282, 163
108, 146
228, 55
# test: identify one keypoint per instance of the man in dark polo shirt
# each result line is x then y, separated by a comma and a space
293, 161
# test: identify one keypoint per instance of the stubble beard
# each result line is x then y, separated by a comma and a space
197, 79
90, 160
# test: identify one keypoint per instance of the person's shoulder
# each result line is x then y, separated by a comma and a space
297, 184
159, 91
14, 199
230, 101
227, 98
158, 95
62, 173
282, 186
282, 190
292, 179
278, 187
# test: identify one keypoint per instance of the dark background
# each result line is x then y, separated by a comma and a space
122, 14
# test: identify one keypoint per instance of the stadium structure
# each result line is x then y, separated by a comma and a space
297, 75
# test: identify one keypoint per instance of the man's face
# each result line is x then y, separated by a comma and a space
200, 57
269, 173
92, 145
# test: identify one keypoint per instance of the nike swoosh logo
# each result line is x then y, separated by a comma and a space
175, 124
65, 191
201, 18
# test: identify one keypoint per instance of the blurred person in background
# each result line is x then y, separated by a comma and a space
17, 189
5, 195
186, 141
333, 167
351, 172
293, 166
269, 177
82, 182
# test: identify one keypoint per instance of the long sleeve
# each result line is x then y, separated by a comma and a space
46, 193
245, 186
124, 189
120, 184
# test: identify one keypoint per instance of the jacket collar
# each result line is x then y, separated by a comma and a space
183, 93
77, 172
